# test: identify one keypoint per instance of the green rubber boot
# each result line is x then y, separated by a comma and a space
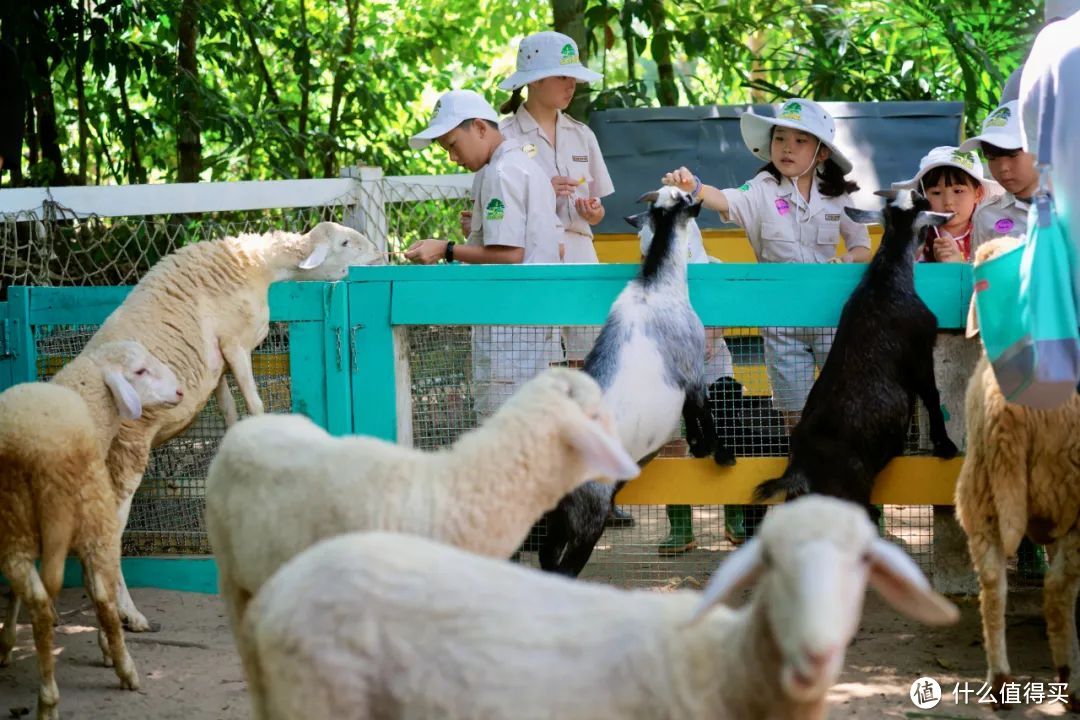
735, 524
1031, 560
680, 537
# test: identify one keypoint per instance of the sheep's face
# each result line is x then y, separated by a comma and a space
136, 378
332, 249
993, 248
812, 560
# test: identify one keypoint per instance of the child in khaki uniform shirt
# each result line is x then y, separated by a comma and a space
514, 221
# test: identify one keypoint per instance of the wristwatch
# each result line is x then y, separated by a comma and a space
448, 254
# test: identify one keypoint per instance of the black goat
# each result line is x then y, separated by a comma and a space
858, 412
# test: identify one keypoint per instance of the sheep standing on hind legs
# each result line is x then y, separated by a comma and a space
58, 495
859, 410
202, 308
384, 626
1021, 475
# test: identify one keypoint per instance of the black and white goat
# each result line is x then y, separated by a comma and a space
650, 362
858, 412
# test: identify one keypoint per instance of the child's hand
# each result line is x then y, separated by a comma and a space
466, 223
681, 178
565, 186
837, 260
946, 248
590, 209
426, 252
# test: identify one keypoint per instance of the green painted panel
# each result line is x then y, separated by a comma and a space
24, 363
7, 349
336, 359
185, 574
371, 340
308, 389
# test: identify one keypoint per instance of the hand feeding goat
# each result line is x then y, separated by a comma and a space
58, 494
650, 362
199, 309
378, 625
859, 409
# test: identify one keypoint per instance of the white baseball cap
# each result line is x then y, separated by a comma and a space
452, 109
1059, 9
1000, 128
547, 54
948, 156
796, 113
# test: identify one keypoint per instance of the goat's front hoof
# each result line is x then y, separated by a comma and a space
699, 447
945, 449
724, 456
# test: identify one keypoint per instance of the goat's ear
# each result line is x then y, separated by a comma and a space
603, 453
695, 209
927, 218
741, 569
637, 220
897, 578
317, 256
865, 216
127, 400
890, 194
649, 197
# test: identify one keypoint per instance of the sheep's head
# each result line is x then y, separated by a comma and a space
904, 216
331, 249
812, 560
574, 403
993, 248
136, 378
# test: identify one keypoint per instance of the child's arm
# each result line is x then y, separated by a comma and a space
711, 197
429, 252
854, 255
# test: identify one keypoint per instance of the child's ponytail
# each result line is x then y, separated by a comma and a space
510, 106
832, 181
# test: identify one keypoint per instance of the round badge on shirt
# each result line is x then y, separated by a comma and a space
529, 149
1004, 225
782, 206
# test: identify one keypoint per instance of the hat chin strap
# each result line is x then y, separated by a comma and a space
795, 182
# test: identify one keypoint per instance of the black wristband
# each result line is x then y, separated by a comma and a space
448, 254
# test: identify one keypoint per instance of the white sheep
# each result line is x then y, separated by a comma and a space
279, 483
58, 494
203, 307
1021, 474
378, 625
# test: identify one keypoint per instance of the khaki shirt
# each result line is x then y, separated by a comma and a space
514, 205
1004, 215
784, 228
575, 154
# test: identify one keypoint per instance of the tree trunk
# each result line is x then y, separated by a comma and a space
135, 171
569, 17
329, 155
303, 59
260, 63
667, 92
47, 135
188, 137
82, 52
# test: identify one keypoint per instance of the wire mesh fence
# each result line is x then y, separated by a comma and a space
460, 374
167, 512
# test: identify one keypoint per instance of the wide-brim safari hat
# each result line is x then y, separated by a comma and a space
949, 156
1001, 128
547, 54
798, 114
452, 109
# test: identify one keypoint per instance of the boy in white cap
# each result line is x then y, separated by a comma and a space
793, 212
1012, 168
952, 181
514, 221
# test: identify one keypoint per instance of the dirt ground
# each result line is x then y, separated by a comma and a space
190, 670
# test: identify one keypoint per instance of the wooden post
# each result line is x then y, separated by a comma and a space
368, 213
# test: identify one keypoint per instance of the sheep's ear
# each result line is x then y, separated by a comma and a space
897, 578
741, 569
316, 258
127, 400
866, 217
603, 453
638, 220
933, 219
649, 197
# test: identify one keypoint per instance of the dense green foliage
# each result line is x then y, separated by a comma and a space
298, 88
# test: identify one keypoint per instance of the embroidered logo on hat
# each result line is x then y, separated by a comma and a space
963, 159
569, 55
998, 118
791, 111
495, 209
438, 107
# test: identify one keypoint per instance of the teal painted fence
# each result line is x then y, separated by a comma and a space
344, 344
